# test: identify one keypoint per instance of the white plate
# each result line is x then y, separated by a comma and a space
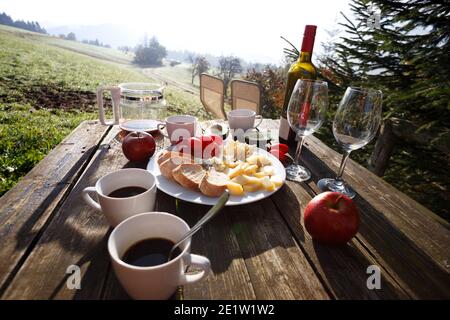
174, 189
147, 125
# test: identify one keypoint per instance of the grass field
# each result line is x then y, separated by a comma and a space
47, 88
180, 73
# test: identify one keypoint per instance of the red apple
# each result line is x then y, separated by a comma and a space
331, 218
138, 146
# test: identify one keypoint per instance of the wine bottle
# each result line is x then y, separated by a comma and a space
301, 69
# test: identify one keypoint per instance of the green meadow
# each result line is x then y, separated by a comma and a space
47, 87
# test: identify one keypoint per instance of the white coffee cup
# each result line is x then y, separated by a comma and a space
183, 126
161, 281
243, 119
118, 209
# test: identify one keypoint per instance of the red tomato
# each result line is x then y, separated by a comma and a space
280, 155
217, 139
211, 150
283, 148
195, 145
206, 140
210, 145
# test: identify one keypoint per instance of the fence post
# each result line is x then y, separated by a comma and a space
384, 147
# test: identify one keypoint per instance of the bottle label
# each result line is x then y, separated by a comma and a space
284, 128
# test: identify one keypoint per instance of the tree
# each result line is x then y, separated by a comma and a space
31, 26
191, 58
403, 48
71, 36
199, 66
271, 80
150, 54
6, 20
125, 49
229, 67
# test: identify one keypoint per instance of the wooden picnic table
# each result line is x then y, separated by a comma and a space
257, 251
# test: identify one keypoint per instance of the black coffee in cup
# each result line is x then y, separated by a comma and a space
150, 252
126, 192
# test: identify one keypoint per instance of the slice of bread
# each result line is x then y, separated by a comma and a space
170, 164
213, 183
189, 175
163, 156
166, 154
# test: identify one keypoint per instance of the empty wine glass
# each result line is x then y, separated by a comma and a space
306, 113
355, 125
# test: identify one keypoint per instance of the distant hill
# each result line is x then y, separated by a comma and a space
119, 36
111, 34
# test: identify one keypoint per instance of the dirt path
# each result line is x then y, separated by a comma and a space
183, 86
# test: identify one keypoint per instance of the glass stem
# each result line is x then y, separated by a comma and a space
299, 149
342, 167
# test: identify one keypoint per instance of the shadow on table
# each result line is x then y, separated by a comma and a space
27, 232
94, 256
403, 260
238, 232
74, 227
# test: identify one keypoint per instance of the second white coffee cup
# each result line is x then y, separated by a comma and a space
118, 209
243, 119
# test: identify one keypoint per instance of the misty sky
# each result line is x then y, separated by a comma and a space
248, 29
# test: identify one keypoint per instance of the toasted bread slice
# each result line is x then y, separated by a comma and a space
170, 164
163, 156
213, 183
166, 154
189, 175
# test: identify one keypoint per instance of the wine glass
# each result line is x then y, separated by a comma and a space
355, 125
306, 113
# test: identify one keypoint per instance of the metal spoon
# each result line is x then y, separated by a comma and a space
208, 216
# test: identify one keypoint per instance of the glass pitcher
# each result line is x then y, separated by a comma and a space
136, 106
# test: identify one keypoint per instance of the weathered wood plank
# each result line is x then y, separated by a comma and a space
425, 228
407, 242
229, 278
277, 267
77, 235
228, 281
342, 269
384, 147
112, 288
25, 209
401, 218
394, 216
254, 253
